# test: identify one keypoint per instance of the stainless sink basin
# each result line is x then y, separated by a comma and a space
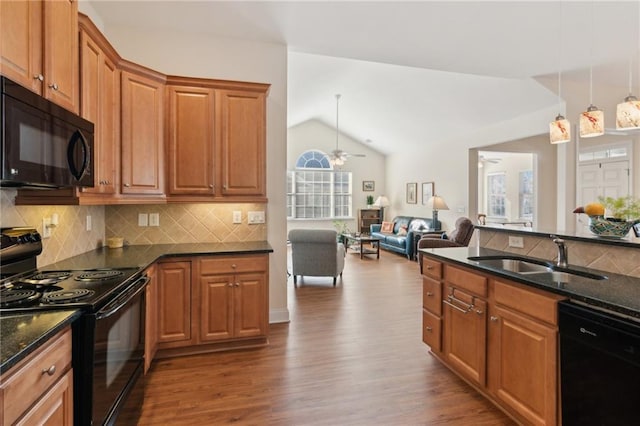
533, 267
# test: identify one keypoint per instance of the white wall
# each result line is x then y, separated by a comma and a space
183, 54
316, 135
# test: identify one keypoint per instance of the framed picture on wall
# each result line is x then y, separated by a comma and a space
412, 193
368, 185
427, 191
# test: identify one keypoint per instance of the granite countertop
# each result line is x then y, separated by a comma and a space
619, 293
21, 334
142, 256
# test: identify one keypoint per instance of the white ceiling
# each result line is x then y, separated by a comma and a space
414, 72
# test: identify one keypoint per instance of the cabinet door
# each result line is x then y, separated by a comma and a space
250, 305
100, 82
523, 366
216, 307
21, 42
55, 407
243, 143
464, 336
142, 135
61, 53
151, 318
174, 304
191, 140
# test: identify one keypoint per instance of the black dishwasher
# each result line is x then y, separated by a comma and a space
599, 367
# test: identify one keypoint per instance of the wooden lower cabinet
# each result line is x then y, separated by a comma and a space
211, 302
500, 336
151, 317
174, 304
39, 390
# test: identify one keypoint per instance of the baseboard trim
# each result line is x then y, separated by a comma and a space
278, 315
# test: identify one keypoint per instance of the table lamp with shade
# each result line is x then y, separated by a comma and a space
437, 203
381, 202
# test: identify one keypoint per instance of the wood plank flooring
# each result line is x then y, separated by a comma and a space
351, 355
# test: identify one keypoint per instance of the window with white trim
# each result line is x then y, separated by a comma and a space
316, 191
496, 200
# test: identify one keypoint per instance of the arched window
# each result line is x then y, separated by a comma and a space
316, 191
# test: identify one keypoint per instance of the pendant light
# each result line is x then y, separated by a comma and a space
592, 120
628, 111
560, 128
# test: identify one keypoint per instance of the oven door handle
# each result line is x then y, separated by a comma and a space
122, 301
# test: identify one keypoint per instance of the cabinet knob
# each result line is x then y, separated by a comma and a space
233, 265
429, 329
224, 187
127, 185
50, 371
494, 319
211, 186
479, 311
237, 284
53, 86
38, 77
230, 284
429, 294
429, 267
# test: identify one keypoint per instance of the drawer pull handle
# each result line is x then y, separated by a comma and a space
454, 306
494, 319
467, 306
429, 329
50, 371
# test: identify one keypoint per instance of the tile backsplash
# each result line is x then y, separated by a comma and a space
68, 238
606, 257
184, 223
178, 223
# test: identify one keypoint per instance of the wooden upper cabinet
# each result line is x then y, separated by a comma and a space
21, 42
142, 144
61, 53
243, 142
100, 104
191, 140
39, 45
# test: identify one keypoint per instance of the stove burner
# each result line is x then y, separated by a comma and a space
48, 277
17, 297
99, 275
65, 296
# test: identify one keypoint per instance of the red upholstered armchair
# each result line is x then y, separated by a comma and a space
459, 237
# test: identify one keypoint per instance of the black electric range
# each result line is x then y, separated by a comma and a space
44, 290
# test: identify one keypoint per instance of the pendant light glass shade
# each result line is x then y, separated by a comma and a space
628, 114
591, 122
559, 130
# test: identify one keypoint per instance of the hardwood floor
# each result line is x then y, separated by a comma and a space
351, 355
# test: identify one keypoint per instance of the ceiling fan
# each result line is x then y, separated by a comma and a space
338, 156
482, 160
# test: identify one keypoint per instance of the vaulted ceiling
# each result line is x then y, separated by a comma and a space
415, 72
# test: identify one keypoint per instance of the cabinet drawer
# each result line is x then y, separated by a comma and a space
431, 268
24, 385
468, 280
531, 302
233, 264
431, 331
432, 296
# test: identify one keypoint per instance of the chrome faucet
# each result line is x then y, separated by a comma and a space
562, 252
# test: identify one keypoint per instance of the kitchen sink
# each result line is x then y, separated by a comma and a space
533, 267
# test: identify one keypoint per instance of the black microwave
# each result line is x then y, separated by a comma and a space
43, 144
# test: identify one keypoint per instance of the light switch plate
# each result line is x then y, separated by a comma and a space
517, 242
255, 217
88, 223
154, 219
237, 216
46, 230
143, 219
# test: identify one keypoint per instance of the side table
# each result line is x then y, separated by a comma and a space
417, 235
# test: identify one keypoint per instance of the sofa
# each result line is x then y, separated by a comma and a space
398, 241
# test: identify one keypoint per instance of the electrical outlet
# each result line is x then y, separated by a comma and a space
237, 216
143, 219
88, 223
517, 242
460, 209
46, 227
154, 219
255, 217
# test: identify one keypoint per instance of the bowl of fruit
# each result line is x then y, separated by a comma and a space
617, 225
